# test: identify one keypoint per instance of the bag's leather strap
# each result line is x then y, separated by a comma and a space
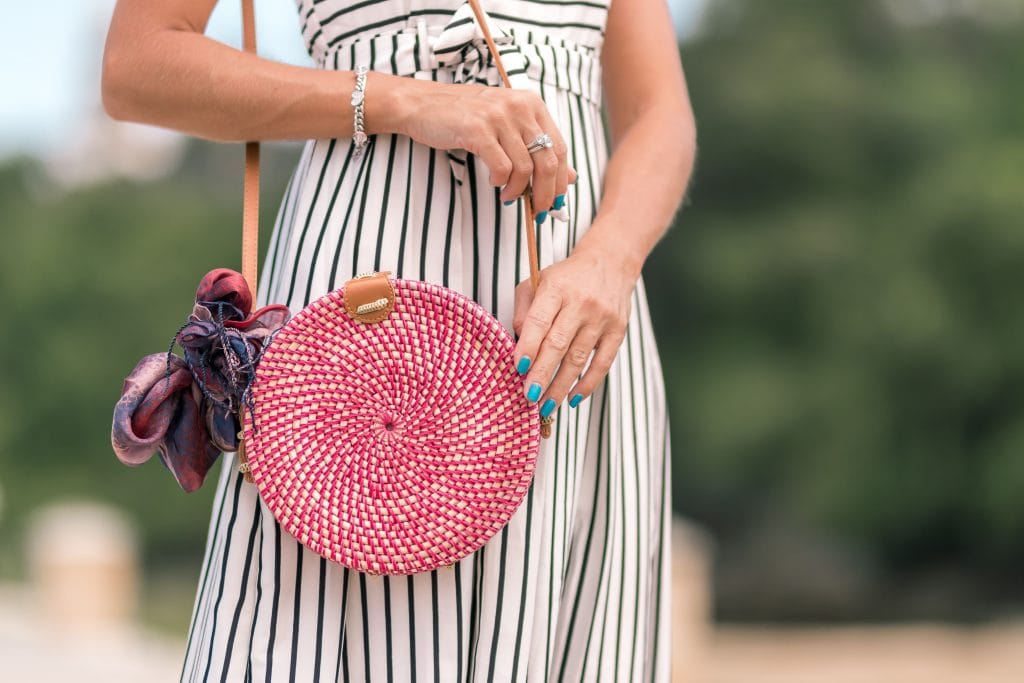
251, 185
251, 182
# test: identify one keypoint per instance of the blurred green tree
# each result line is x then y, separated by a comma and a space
839, 303
92, 280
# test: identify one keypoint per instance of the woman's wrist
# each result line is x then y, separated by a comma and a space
609, 244
387, 102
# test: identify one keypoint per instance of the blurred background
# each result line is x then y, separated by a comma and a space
837, 308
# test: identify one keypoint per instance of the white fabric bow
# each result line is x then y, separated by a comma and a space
461, 47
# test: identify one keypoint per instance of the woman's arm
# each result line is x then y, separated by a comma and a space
652, 128
583, 303
159, 68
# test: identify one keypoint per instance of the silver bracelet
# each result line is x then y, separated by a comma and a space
359, 134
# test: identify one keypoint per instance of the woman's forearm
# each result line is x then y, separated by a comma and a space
160, 69
653, 133
645, 181
182, 79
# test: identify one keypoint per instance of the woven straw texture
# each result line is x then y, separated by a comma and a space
394, 447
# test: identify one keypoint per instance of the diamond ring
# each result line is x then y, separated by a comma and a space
542, 141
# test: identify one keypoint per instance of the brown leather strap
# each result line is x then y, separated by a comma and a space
529, 227
251, 182
251, 185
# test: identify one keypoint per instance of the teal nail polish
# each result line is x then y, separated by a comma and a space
523, 366
509, 202
534, 393
575, 400
559, 202
548, 407
541, 216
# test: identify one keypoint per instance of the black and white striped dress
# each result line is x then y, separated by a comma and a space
576, 586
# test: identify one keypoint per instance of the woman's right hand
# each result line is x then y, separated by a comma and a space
494, 123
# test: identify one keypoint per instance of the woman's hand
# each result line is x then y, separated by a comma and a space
494, 123
581, 307
583, 303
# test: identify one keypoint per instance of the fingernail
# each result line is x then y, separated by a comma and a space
575, 400
559, 202
523, 366
509, 202
548, 407
534, 393
541, 216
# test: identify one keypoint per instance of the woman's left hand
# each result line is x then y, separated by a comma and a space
581, 306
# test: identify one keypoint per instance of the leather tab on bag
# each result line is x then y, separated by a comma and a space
369, 298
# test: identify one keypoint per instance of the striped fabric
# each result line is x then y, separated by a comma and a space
576, 586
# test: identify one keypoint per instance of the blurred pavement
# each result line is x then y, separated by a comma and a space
883, 654
33, 649
38, 645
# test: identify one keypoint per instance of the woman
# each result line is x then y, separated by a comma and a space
576, 586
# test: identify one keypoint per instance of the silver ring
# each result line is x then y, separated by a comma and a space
542, 141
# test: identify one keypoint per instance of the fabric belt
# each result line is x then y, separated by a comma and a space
458, 48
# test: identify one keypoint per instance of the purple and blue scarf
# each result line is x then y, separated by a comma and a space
186, 408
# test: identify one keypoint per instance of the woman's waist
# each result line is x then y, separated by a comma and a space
448, 54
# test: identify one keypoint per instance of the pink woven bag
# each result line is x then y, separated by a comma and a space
389, 431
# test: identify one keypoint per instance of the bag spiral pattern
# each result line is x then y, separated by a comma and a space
394, 447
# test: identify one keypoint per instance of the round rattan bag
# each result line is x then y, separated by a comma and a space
389, 430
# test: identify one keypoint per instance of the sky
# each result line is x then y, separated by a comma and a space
50, 54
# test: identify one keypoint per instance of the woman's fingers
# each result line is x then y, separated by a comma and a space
536, 315
570, 367
600, 364
551, 350
522, 164
523, 299
497, 161
561, 151
545, 172
510, 122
